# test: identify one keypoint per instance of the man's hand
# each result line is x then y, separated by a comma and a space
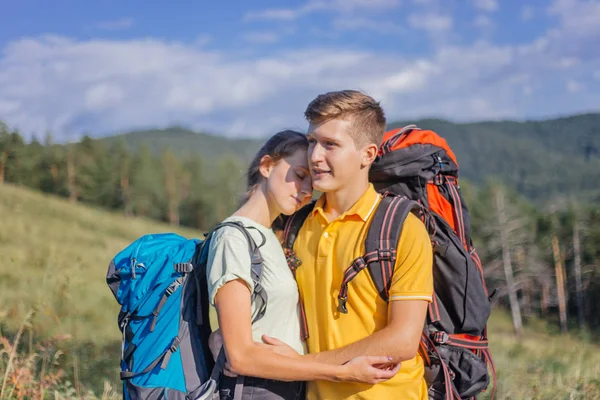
215, 343
280, 347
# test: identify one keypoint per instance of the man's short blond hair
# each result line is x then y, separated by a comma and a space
365, 114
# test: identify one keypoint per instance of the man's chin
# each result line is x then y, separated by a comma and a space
323, 187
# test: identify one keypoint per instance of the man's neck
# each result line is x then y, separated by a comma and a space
340, 201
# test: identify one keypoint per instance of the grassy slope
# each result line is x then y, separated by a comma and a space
54, 255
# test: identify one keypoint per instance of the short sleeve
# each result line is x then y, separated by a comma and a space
228, 260
413, 272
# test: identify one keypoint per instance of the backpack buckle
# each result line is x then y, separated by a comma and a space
342, 305
292, 259
183, 268
125, 321
170, 290
386, 254
440, 337
438, 180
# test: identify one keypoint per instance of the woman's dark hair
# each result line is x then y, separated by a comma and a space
282, 144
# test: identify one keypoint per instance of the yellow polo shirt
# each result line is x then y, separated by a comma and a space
326, 250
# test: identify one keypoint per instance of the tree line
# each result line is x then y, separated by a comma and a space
544, 261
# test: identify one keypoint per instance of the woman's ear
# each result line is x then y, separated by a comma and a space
370, 152
266, 165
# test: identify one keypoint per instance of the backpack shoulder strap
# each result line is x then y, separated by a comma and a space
260, 294
291, 229
293, 224
382, 239
380, 246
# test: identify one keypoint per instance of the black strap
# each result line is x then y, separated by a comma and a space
383, 237
168, 292
127, 356
290, 233
162, 359
259, 295
294, 223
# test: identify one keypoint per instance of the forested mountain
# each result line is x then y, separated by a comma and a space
540, 159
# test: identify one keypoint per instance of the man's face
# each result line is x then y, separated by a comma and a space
333, 157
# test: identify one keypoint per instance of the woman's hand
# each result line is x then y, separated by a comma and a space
370, 369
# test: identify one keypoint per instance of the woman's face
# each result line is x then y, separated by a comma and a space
288, 183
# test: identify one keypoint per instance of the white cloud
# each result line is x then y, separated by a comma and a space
105, 86
577, 17
486, 5
431, 22
282, 14
483, 22
578, 28
103, 95
311, 6
527, 13
573, 86
203, 40
567, 62
115, 25
261, 37
367, 24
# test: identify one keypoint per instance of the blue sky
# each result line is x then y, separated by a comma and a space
247, 68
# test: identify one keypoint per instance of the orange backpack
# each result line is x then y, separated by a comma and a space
420, 165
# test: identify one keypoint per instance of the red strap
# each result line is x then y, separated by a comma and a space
451, 393
423, 349
391, 142
458, 212
386, 242
303, 322
488, 359
475, 257
294, 262
434, 311
358, 265
468, 344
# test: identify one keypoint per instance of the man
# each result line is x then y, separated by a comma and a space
345, 132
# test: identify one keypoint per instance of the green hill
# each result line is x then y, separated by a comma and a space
185, 142
53, 258
541, 159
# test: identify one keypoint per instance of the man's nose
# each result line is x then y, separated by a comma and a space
315, 153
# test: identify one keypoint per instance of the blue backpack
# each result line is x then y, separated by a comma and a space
160, 282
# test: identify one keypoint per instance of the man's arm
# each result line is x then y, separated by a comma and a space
399, 339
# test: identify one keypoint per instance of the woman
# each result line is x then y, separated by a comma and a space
278, 183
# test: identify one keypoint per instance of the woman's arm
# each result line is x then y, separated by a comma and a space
251, 359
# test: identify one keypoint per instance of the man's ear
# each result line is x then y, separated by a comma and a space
266, 165
369, 155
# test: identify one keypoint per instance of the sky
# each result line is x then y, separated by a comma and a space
249, 68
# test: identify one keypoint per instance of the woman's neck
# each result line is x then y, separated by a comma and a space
257, 209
